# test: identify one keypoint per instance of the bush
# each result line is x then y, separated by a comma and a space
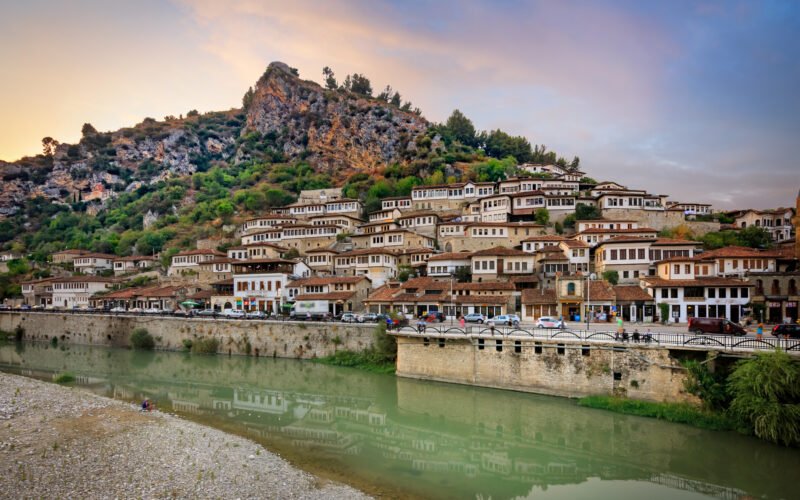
766, 397
682, 413
205, 346
64, 378
187, 344
141, 339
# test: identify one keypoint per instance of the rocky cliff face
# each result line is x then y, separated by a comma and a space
336, 131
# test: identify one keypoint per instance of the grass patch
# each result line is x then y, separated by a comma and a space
205, 346
64, 378
367, 361
681, 413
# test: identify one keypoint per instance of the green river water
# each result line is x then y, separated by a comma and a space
399, 438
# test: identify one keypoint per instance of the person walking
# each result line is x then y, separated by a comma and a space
462, 322
619, 325
759, 331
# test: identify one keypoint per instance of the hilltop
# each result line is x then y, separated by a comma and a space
160, 185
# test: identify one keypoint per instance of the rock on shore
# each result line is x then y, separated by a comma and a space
58, 442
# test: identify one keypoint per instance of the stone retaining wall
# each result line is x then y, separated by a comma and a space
302, 340
555, 368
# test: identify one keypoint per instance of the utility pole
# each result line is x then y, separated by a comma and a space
589, 278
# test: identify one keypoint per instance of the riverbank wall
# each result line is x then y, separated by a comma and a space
551, 367
300, 340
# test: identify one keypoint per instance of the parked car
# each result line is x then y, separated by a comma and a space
369, 318
5, 307
350, 318
256, 315
117, 309
207, 312
435, 316
550, 322
699, 326
474, 318
233, 313
506, 319
792, 331
152, 310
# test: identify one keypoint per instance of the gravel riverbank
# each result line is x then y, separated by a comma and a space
58, 442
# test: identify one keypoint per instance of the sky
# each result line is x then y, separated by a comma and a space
697, 100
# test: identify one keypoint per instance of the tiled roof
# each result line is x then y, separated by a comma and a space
547, 237
627, 239
134, 258
601, 230
95, 255
675, 241
660, 282
200, 251
87, 279
576, 244
631, 293
736, 251
322, 250
600, 290
540, 296
500, 251
450, 256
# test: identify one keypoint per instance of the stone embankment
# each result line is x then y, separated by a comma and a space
58, 442
281, 339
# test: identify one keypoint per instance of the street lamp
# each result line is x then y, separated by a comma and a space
589, 278
452, 307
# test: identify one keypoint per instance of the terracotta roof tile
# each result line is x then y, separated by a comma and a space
540, 296
631, 293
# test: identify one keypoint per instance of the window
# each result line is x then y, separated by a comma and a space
673, 293
723, 293
480, 344
712, 293
676, 269
688, 269
744, 293
734, 293
641, 254
664, 293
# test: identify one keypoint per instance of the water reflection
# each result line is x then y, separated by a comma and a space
424, 439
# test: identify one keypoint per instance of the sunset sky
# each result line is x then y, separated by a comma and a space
698, 100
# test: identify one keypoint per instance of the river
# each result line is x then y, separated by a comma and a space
403, 438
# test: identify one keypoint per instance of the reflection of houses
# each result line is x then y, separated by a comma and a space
263, 401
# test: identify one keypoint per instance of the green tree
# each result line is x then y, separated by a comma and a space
49, 146
499, 144
542, 216
612, 276
247, 98
587, 212
88, 130
766, 397
755, 237
460, 128
358, 84
330, 78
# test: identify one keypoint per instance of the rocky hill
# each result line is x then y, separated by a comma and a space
286, 118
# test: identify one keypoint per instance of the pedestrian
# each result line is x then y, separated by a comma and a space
491, 325
388, 322
759, 331
624, 335
461, 321
145, 404
421, 325
561, 322
636, 335
619, 325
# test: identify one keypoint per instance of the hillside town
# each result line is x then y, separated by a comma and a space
515, 248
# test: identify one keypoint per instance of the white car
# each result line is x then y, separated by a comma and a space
549, 322
233, 313
152, 310
117, 310
506, 319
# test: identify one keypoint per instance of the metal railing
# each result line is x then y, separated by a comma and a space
660, 339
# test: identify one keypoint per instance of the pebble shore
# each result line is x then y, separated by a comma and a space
61, 442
